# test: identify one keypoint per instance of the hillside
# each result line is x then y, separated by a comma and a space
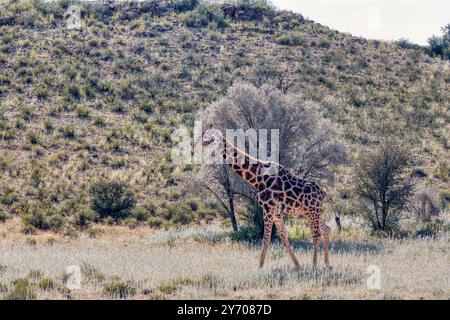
103, 101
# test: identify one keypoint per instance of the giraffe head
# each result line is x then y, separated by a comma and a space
211, 136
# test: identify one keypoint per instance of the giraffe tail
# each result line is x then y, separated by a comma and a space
337, 218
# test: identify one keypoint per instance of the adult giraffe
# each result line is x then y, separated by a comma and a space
278, 192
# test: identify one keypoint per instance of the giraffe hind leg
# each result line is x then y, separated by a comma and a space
315, 231
326, 240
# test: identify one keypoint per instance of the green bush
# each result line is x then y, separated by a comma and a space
140, 214
3, 216
444, 196
246, 233
9, 197
112, 199
148, 107
291, 39
72, 92
185, 5
179, 213
204, 15
440, 45
42, 216
32, 137
46, 284
68, 131
407, 44
83, 217
22, 290
156, 222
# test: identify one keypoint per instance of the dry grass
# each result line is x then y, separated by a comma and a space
201, 263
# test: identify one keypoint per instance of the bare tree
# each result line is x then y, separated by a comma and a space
382, 184
426, 204
309, 145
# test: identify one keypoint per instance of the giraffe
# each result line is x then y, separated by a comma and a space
279, 193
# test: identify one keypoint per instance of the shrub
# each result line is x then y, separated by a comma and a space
119, 290
179, 213
131, 222
73, 92
83, 112
83, 217
112, 199
94, 232
185, 5
381, 184
3, 216
35, 275
27, 113
140, 214
41, 216
91, 273
68, 131
291, 39
148, 107
443, 171
204, 15
41, 93
46, 284
167, 288
426, 204
407, 44
444, 196
22, 290
440, 45
32, 137
9, 196
156, 222
430, 229
418, 172
250, 232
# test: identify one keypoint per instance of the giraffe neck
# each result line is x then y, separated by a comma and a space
240, 162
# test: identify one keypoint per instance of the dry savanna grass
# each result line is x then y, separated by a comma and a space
202, 263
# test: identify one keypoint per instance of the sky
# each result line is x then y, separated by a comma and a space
415, 20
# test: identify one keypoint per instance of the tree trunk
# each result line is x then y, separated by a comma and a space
232, 215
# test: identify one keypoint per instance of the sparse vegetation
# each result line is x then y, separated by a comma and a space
112, 199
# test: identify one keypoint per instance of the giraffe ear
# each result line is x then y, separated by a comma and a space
210, 126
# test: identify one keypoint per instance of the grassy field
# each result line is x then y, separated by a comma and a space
201, 262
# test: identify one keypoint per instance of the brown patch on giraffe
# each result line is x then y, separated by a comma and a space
248, 175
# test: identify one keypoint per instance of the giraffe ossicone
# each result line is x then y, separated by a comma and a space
279, 193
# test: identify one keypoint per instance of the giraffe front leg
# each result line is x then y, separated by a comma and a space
326, 240
268, 222
283, 235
